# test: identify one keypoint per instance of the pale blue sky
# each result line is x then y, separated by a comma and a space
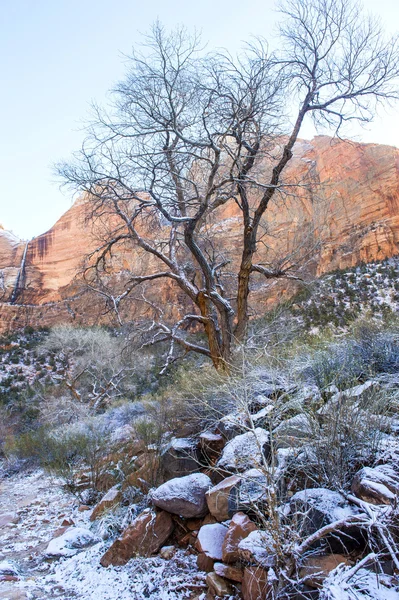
56, 56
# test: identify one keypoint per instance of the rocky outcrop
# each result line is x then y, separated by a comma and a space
353, 206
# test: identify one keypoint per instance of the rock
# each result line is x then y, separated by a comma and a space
363, 391
7, 567
71, 542
8, 519
231, 425
258, 547
83, 508
111, 499
60, 531
193, 524
316, 568
255, 585
210, 540
205, 562
378, 485
167, 552
211, 445
181, 457
105, 482
184, 496
67, 523
319, 507
252, 491
356, 395
243, 452
218, 585
239, 528
145, 536
222, 498
262, 417
258, 402
229, 572
293, 431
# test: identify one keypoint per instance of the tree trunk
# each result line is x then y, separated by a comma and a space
220, 351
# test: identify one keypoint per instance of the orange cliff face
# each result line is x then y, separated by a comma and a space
354, 206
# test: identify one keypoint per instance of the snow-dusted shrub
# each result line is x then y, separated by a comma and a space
66, 451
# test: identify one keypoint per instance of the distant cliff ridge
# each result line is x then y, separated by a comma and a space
358, 221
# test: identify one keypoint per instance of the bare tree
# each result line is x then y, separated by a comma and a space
190, 135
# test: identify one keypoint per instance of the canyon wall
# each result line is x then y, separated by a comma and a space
348, 191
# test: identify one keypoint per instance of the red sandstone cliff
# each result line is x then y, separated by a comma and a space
355, 208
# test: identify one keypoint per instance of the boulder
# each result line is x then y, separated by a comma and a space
72, 541
205, 562
8, 568
262, 417
222, 498
252, 491
218, 586
231, 425
211, 445
181, 457
255, 585
315, 569
355, 395
246, 451
362, 391
111, 499
229, 572
210, 540
8, 519
239, 528
319, 507
184, 496
145, 536
378, 485
258, 547
293, 431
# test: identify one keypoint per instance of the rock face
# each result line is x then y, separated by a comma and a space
359, 193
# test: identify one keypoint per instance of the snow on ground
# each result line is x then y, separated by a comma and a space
34, 506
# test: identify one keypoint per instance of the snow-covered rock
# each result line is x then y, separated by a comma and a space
222, 498
246, 451
258, 547
184, 496
293, 431
74, 540
378, 485
148, 532
239, 528
7, 567
210, 540
110, 500
319, 507
180, 457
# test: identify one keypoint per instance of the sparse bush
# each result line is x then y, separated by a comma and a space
65, 453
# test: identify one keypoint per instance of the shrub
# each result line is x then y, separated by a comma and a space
65, 453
